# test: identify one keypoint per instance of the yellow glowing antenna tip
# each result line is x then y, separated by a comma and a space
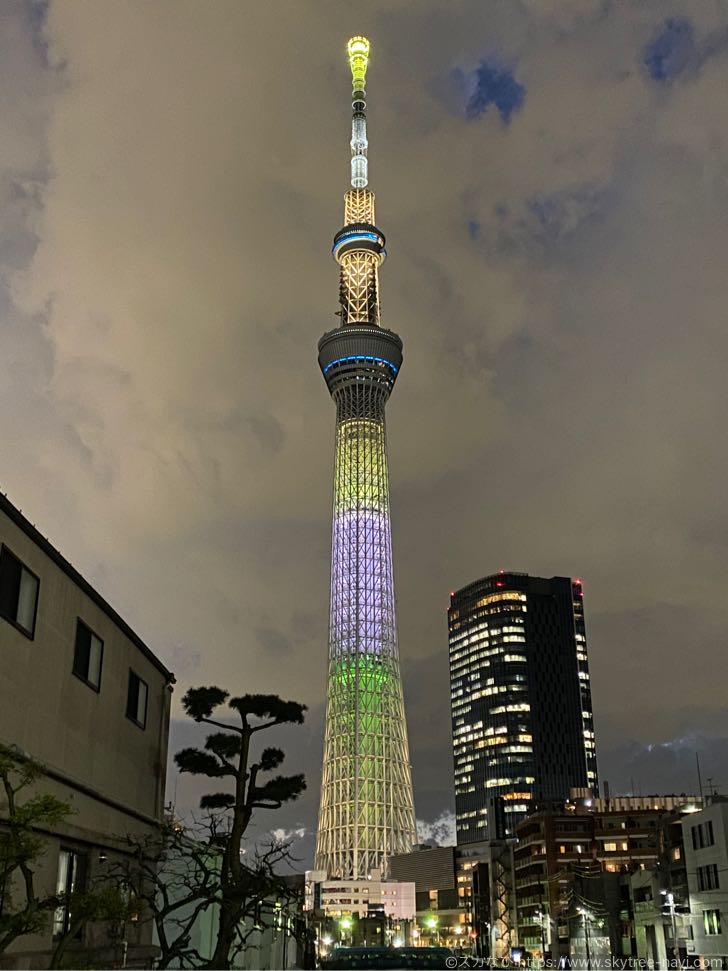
358, 52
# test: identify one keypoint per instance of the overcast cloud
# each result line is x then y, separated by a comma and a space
552, 178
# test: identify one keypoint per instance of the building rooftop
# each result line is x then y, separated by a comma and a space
16, 516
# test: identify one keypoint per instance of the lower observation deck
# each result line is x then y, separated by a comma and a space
360, 352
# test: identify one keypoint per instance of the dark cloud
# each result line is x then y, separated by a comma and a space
671, 50
676, 765
489, 84
167, 202
273, 641
676, 50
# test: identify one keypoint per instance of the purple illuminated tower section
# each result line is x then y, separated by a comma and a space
367, 810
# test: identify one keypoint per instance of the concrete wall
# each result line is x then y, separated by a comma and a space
710, 946
104, 765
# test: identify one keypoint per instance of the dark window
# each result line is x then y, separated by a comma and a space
703, 835
70, 880
88, 655
136, 701
18, 593
708, 877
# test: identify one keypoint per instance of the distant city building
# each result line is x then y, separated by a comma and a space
486, 871
574, 866
355, 912
443, 906
82, 694
522, 720
705, 837
340, 898
464, 895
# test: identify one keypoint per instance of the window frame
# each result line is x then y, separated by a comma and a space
97, 688
140, 724
75, 883
711, 922
30, 634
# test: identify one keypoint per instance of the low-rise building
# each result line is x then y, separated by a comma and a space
83, 695
442, 904
706, 858
369, 912
573, 865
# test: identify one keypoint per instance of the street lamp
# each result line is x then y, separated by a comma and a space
431, 923
346, 924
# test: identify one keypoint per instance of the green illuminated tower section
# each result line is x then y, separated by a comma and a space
367, 810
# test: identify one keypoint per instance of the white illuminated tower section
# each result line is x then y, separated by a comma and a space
367, 810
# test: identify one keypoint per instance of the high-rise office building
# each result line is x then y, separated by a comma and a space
522, 719
366, 812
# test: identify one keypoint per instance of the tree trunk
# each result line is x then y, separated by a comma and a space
60, 950
229, 919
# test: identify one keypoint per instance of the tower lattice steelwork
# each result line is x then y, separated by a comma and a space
367, 810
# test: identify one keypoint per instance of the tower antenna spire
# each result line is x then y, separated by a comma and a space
358, 51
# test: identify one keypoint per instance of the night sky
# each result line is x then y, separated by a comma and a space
552, 178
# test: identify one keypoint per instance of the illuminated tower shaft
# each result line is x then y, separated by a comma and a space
367, 811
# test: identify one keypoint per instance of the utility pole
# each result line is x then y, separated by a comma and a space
585, 914
539, 918
670, 904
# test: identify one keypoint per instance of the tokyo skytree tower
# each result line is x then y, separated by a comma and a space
367, 810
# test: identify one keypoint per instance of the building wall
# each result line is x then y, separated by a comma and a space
109, 769
428, 869
705, 840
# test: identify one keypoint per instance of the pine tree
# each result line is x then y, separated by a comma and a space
227, 755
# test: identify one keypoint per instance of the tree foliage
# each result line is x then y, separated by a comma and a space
25, 908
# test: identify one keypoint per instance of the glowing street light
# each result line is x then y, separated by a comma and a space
431, 923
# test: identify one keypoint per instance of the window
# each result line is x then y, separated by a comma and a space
18, 593
703, 835
708, 877
711, 922
88, 655
136, 701
71, 878
610, 847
